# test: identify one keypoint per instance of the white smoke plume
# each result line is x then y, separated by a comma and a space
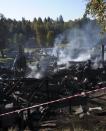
78, 43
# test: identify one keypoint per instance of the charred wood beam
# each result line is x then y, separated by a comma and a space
18, 98
14, 87
35, 90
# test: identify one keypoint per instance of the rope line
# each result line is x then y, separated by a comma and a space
51, 102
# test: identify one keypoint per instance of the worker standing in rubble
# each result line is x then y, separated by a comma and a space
65, 84
84, 102
19, 64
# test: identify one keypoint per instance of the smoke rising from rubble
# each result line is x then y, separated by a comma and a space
73, 45
79, 44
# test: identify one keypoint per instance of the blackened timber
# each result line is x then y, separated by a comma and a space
47, 88
103, 54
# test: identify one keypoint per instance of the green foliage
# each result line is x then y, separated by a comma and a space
3, 34
43, 28
14, 33
40, 32
97, 8
50, 38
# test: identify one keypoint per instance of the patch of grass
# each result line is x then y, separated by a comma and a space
6, 59
30, 50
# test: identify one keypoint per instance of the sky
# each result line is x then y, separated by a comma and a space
29, 9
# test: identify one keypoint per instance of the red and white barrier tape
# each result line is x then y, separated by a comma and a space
51, 102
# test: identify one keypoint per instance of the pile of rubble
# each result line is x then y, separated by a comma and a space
22, 92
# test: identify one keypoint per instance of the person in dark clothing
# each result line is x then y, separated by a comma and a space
20, 63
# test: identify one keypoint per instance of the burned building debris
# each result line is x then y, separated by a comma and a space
49, 81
